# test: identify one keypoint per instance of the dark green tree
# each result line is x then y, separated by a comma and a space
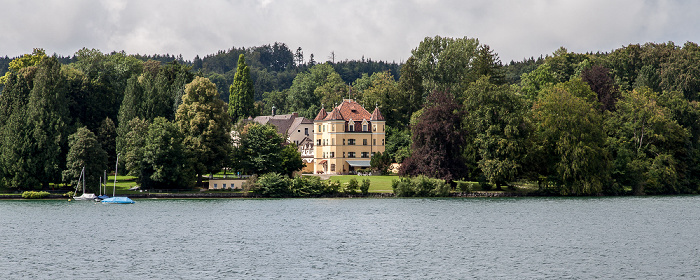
15, 134
260, 151
569, 141
411, 91
498, 128
242, 93
166, 156
85, 152
133, 152
48, 119
107, 136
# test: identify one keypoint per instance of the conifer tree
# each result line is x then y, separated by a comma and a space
242, 93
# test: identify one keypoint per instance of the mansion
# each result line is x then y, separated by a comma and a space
346, 138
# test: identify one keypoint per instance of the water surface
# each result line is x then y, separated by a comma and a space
503, 238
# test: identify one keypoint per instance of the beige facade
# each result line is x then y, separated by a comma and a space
219, 184
346, 138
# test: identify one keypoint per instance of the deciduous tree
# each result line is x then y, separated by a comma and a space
203, 121
437, 140
85, 152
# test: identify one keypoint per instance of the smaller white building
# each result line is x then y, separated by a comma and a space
226, 184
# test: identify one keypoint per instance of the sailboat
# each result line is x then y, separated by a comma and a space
113, 199
84, 196
103, 184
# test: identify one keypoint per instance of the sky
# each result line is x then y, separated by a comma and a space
384, 30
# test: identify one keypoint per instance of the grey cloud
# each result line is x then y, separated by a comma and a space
381, 30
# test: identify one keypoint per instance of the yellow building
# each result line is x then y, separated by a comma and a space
346, 138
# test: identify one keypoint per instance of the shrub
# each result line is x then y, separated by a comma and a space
420, 186
69, 194
352, 186
34, 195
331, 187
464, 187
273, 185
364, 188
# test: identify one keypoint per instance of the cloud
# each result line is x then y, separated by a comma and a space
381, 30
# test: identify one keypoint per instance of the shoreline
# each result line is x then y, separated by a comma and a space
244, 195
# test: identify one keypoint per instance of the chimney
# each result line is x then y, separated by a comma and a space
273, 110
295, 114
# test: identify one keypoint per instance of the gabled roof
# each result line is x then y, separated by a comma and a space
376, 115
283, 123
298, 121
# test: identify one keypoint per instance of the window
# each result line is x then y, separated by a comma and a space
382, 128
233, 186
364, 127
333, 141
318, 142
374, 142
343, 142
332, 154
306, 131
351, 125
343, 154
215, 186
382, 142
224, 186
374, 127
319, 128
298, 130
365, 154
373, 153
333, 128
364, 142
351, 154
351, 141
333, 167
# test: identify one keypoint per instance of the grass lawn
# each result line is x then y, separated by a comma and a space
378, 184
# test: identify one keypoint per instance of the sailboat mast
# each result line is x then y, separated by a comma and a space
83, 175
116, 166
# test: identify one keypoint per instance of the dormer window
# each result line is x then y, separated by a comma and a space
351, 125
364, 125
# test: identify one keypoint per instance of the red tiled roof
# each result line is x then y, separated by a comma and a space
376, 115
321, 115
351, 110
334, 115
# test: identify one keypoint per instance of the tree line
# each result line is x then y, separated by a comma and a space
578, 124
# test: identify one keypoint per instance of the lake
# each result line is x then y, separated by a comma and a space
454, 238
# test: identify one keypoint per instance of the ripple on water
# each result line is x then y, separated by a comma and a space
628, 237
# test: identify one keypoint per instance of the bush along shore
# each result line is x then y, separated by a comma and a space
274, 185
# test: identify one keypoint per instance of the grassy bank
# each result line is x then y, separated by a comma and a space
378, 184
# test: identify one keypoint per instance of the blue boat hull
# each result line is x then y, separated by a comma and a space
118, 200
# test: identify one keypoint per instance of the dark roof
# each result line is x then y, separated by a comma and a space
283, 123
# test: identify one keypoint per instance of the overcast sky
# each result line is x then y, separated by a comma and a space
379, 29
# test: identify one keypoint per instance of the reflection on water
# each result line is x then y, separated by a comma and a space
628, 237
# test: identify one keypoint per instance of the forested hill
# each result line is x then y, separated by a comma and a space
273, 67
624, 121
